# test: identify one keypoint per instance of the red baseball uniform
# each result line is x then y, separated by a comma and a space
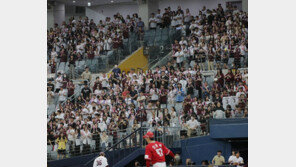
156, 152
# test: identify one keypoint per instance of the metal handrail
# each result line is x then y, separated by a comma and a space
116, 144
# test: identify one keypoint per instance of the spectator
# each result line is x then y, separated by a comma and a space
86, 137
205, 162
189, 162
72, 67
61, 141
50, 140
152, 22
218, 159
237, 160
50, 84
70, 88
238, 113
192, 126
231, 158
140, 24
159, 18
219, 114
58, 82
71, 138
86, 92
62, 95
116, 71
86, 75
50, 97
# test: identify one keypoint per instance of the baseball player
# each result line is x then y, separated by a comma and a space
155, 151
101, 161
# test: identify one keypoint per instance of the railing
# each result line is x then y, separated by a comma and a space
134, 140
158, 42
127, 145
93, 145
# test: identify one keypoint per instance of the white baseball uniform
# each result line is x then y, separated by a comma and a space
101, 161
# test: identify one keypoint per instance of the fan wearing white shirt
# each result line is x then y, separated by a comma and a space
86, 137
192, 124
219, 114
152, 22
237, 160
62, 95
103, 126
230, 159
179, 56
101, 161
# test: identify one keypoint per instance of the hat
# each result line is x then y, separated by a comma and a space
148, 135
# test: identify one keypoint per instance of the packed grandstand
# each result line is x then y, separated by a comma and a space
205, 77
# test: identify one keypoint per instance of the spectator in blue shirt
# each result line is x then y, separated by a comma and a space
140, 23
116, 71
205, 90
180, 94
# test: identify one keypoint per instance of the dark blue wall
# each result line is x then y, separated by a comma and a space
203, 148
72, 162
229, 128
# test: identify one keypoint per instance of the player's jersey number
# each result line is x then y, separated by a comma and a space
159, 152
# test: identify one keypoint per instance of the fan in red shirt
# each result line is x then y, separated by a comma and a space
155, 152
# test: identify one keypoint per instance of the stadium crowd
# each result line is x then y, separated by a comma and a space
174, 95
83, 38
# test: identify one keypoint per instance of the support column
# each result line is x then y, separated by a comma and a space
245, 5
146, 7
50, 19
59, 13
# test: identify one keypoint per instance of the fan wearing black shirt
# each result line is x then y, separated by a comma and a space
50, 84
85, 92
134, 93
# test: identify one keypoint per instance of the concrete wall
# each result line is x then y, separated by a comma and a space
59, 13
50, 19
245, 5
71, 11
